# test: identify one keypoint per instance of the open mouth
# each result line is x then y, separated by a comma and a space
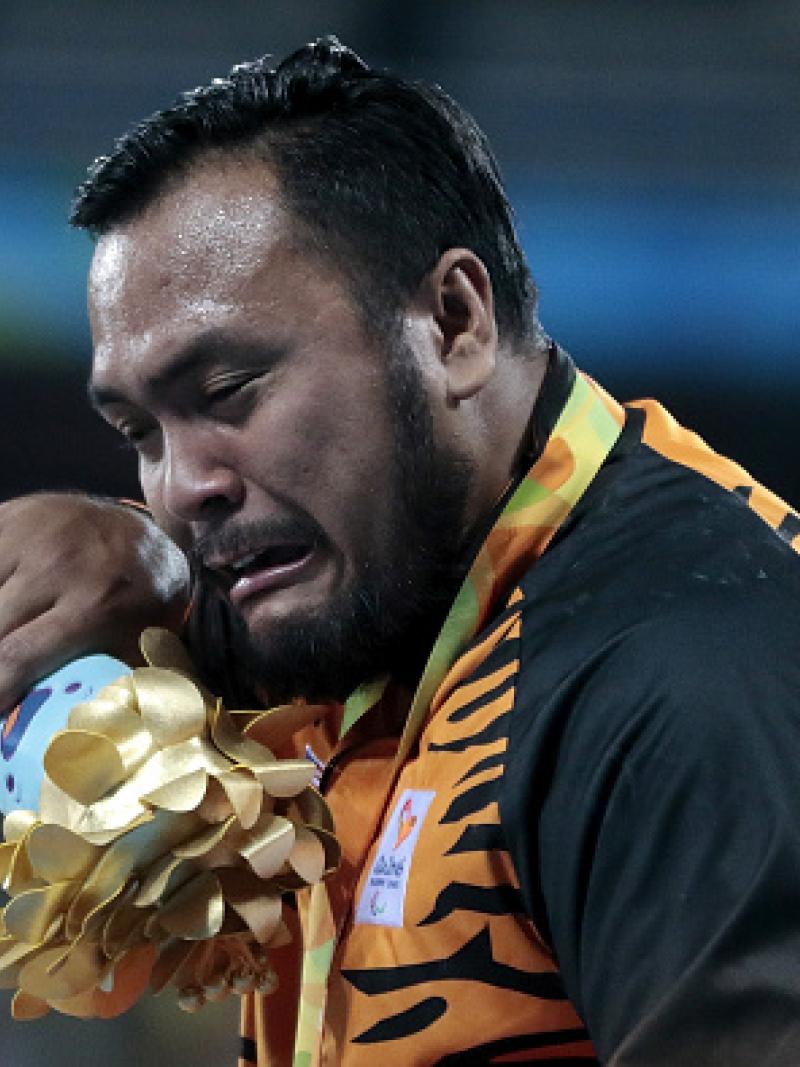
265, 570
276, 556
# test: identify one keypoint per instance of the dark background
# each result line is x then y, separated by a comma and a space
651, 152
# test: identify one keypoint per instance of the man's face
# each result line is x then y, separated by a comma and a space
292, 456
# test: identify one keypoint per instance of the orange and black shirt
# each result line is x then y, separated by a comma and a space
592, 852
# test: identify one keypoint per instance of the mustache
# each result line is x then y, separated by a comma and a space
244, 538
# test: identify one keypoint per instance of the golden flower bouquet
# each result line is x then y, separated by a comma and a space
166, 837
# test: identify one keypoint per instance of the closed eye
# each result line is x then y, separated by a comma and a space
223, 393
229, 397
134, 435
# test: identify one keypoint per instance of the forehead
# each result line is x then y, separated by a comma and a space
217, 216
211, 241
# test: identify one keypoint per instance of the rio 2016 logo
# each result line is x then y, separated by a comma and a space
405, 823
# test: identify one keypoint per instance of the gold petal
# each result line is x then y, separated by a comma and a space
106, 837
225, 854
7, 852
87, 920
287, 882
166, 875
196, 911
123, 807
81, 1006
204, 842
275, 726
286, 778
55, 806
262, 915
112, 816
12, 956
17, 824
169, 961
307, 857
172, 707
25, 1008
21, 877
29, 915
228, 739
57, 855
216, 807
181, 794
83, 764
153, 930
333, 850
261, 912
310, 807
245, 795
267, 846
121, 692
55, 974
119, 724
124, 927
162, 648
134, 851
173, 762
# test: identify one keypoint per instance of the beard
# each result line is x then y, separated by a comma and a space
386, 620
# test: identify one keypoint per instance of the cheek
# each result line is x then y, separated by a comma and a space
330, 457
177, 531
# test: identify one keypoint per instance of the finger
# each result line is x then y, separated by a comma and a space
9, 562
22, 600
34, 650
12, 540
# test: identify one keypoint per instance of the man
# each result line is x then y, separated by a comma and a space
558, 635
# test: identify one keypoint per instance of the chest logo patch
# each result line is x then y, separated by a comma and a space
383, 897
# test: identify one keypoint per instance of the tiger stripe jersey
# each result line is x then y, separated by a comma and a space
588, 848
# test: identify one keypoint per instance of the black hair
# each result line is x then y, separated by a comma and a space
383, 174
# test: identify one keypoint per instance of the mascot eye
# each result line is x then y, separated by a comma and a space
18, 721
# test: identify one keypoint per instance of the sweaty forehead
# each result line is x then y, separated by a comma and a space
203, 239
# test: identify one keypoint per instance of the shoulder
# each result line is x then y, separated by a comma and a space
699, 668
658, 663
659, 564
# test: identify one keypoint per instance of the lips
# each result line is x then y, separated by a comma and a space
265, 569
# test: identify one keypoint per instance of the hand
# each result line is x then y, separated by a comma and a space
79, 575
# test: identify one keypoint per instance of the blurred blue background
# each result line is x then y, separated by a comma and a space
652, 152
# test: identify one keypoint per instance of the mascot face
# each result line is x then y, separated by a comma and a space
26, 730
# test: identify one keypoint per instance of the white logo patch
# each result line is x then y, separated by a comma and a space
384, 893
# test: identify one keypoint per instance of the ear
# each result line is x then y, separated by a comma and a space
459, 294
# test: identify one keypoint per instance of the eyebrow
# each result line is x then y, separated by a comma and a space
191, 359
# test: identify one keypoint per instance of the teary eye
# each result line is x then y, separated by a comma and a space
132, 434
228, 396
223, 392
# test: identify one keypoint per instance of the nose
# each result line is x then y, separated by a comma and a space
198, 480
